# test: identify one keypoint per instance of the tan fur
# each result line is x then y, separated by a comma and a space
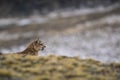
33, 48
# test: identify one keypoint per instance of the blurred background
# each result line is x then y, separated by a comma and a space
82, 28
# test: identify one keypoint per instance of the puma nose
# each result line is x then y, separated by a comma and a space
43, 47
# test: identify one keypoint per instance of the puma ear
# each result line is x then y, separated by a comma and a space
38, 40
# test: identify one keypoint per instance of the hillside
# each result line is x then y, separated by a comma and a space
15, 67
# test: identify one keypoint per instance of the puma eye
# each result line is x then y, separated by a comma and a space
41, 44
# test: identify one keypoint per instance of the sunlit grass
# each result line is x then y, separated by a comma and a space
52, 67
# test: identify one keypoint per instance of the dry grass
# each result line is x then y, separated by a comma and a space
14, 67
